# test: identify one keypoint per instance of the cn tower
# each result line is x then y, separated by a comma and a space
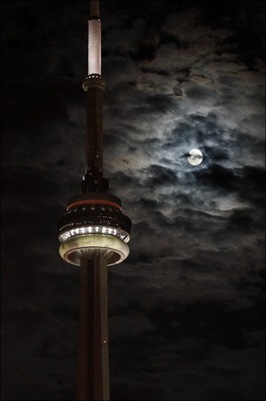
94, 233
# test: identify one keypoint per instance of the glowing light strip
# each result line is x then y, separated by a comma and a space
102, 230
95, 202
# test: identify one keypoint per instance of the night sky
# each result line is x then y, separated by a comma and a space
186, 309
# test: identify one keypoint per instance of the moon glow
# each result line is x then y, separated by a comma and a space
195, 157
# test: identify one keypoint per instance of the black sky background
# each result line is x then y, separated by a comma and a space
186, 309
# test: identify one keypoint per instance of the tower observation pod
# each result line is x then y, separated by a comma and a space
94, 233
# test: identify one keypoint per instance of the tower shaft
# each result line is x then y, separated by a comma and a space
93, 364
94, 86
94, 234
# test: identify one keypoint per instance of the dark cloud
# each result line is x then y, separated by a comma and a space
160, 176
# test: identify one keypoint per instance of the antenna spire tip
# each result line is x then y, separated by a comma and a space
94, 8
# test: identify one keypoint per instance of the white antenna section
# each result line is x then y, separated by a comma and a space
94, 41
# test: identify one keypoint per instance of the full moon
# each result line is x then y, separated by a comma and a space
195, 157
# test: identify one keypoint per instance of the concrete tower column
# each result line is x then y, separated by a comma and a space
93, 360
94, 234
